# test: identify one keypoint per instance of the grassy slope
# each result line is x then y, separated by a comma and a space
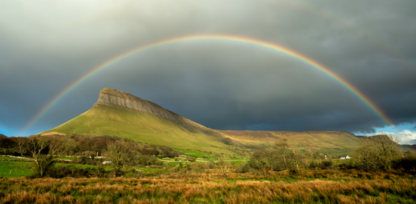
318, 140
116, 121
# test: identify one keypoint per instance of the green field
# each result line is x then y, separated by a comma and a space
5, 157
12, 169
194, 153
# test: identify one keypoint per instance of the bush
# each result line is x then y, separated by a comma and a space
203, 165
327, 164
211, 164
314, 164
227, 141
243, 168
408, 163
73, 171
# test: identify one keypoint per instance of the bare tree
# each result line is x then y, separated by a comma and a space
35, 145
296, 161
121, 155
56, 146
224, 165
282, 146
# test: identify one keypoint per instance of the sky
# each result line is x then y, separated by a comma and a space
46, 46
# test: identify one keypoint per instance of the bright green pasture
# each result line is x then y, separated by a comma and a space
12, 169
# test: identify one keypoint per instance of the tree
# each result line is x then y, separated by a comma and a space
266, 159
224, 165
6, 144
20, 145
121, 154
377, 152
296, 161
35, 145
282, 146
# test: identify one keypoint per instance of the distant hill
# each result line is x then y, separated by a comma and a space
117, 113
335, 140
1, 135
412, 142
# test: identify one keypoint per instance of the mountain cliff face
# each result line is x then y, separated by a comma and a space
113, 97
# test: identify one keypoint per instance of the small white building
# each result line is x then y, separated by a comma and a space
345, 157
106, 162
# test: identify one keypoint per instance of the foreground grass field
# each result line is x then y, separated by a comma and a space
324, 186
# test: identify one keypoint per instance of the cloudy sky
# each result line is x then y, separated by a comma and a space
46, 45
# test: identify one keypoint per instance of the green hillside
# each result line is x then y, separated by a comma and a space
117, 121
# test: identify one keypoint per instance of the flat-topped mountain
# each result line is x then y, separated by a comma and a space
121, 114
113, 97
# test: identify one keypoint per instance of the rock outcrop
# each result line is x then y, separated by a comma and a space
113, 97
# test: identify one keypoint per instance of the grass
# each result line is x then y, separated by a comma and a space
146, 170
67, 158
194, 153
177, 163
12, 169
5, 157
238, 162
84, 166
325, 186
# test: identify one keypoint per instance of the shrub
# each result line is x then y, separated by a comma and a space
314, 164
326, 164
408, 163
203, 165
211, 164
227, 141
243, 168
191, 159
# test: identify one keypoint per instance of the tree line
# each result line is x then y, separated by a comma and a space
375, 153
45, 150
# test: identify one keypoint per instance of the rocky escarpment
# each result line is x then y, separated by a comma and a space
112, 97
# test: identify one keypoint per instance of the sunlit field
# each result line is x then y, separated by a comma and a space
313, 186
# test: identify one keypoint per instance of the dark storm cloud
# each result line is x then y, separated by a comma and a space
46, 46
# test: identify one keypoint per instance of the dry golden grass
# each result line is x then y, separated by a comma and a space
276, 187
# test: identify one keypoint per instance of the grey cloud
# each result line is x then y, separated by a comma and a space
47, 45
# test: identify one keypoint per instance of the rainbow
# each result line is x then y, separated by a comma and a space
276, 47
